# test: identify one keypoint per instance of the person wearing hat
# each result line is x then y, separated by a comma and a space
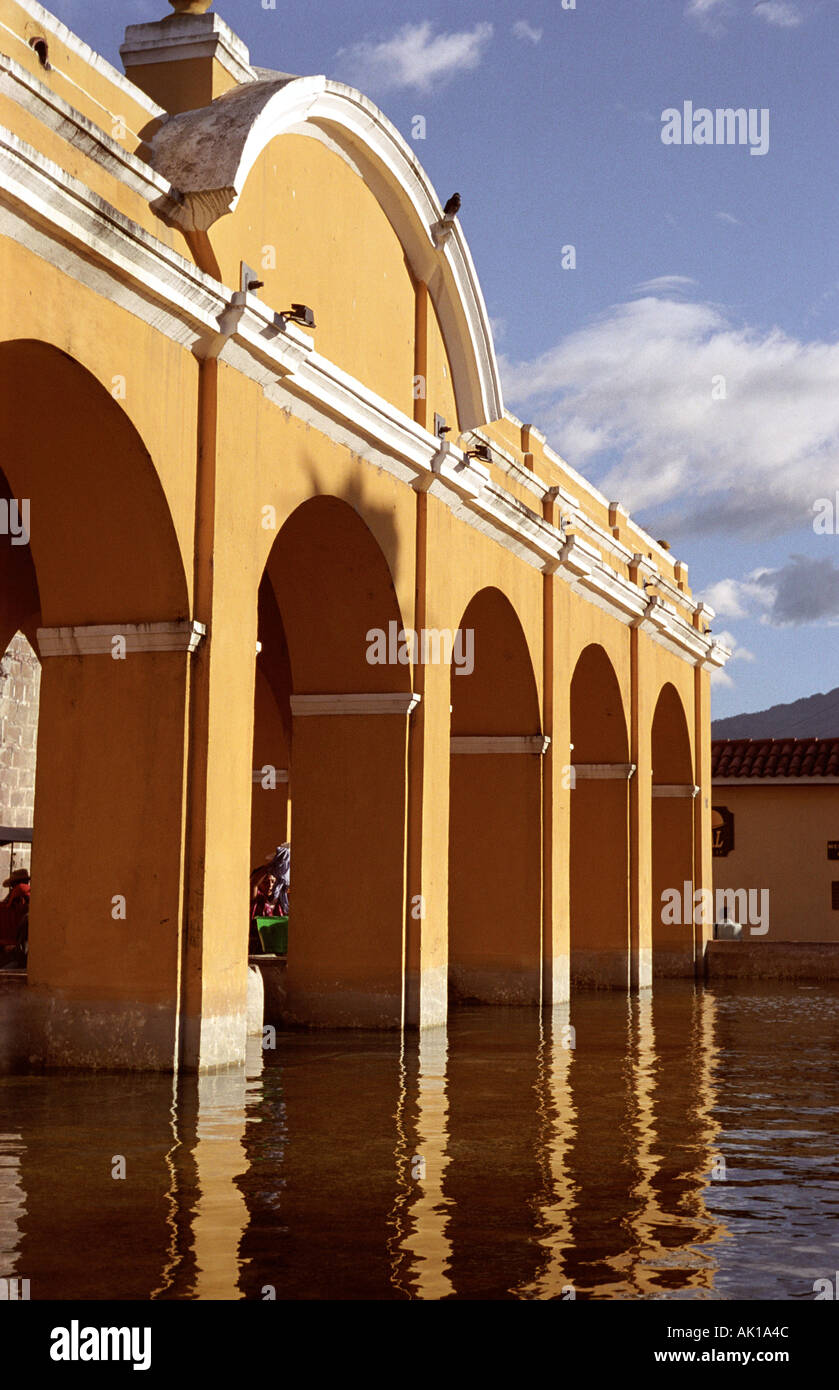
14, 918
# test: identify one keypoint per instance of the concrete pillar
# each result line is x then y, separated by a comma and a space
109, 844
556, 781
641, 906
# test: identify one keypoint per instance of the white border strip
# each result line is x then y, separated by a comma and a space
400, 702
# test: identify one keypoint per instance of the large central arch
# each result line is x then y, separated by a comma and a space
209, 153
325, 587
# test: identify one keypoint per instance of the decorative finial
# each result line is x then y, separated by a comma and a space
191, 6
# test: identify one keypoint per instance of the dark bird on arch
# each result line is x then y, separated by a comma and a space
452, 207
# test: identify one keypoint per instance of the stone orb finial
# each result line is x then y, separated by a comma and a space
191, 6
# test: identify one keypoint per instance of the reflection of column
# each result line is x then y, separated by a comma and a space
427, 1242
555, 1136
220, 1215
675, 1097
12, 1204
650, 1218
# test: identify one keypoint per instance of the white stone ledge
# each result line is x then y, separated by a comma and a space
603, 772
97, 640
398, 702
534, 744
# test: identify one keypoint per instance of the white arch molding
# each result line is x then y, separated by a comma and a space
208, 154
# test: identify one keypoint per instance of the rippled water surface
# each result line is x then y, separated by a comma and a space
685, 1146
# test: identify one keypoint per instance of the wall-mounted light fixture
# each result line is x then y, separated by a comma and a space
300, 313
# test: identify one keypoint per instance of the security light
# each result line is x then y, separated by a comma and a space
300, 313
480, 451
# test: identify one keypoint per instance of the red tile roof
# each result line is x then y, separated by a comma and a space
775, 757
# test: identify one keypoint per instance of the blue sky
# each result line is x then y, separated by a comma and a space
689, 363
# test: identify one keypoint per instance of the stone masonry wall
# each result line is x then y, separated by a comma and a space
20, 683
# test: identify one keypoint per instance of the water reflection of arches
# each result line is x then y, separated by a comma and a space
342, 723
673, 790
495, 813
599, 849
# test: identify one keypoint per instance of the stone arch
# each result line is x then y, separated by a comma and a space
673, 936
495, 814
208, 154
102, 560
599, 834
326, 586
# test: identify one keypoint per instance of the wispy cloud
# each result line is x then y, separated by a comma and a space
664, 284
782, 13
414, 57
729, 218
523, 29
711, 15
718, 426
708, 14
738, 653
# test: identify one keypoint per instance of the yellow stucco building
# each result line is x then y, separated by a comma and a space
224, 502
775, 836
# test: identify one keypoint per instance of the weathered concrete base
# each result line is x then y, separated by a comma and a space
256, 1002
426, 998
483, 985
214, 1041
48, 1029
600, 970
641, 968
339, 1007
775, 960
272, 971
673, 965
52, 1030
557, 981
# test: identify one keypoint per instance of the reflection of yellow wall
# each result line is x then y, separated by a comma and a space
780, 843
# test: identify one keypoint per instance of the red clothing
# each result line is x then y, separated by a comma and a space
12, 911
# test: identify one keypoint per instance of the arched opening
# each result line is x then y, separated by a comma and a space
495, 814
672, 838
600, 946
100, 549
341, 721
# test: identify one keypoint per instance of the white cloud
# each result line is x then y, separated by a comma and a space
415, 57
664, 284
802, 592
630, 399
708, 14
522, 29
779, 12
728, 217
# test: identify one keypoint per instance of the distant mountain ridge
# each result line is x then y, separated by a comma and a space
813, 716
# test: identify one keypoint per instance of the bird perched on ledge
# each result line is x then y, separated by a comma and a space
453, 206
